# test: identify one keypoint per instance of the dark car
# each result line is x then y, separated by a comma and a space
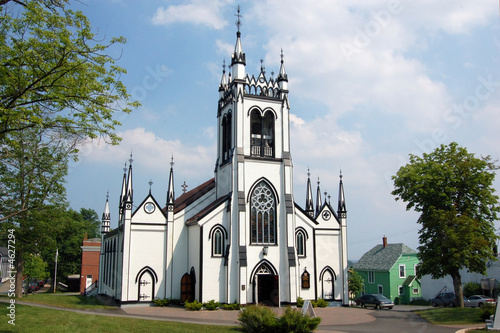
444, 299
378, 301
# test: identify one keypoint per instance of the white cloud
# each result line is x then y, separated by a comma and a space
200, 12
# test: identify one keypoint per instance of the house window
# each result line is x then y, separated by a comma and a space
380, 289
217, 243
262, 134
402, 271
415, 291
401, 290
416, 268
371, 277
263, 215
301, 244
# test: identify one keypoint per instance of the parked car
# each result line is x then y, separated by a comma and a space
378, 301
33, 286
478, 301
444, 299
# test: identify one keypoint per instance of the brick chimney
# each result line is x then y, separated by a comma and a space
384, 242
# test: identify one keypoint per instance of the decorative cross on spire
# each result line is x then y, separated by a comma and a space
239, 16
282, 55
130, 160
308, 173
125, 167
262, 67
172, 162
150, 184
184, 187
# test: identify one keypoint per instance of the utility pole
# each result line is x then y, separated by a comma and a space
55, 272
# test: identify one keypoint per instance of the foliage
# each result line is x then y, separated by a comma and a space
452, 190
320, 303
232, 306
419, 301
162, 302
193, 306
292, 320
257, 318
472, 288
487, 310
300, 302
211, 305
58, 89
35, 267
355, 282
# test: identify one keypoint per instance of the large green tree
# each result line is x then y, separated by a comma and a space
58, 89
453, 192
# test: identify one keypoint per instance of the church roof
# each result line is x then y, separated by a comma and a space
206, 210
381, 258
191, 196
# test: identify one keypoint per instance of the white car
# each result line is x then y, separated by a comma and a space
478, 301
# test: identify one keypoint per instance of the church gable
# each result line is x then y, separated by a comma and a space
149, 211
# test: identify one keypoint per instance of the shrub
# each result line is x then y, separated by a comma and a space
193, 306
258, 319
162, 302
486, 311
300, 302
233, 306
320, 303
472, 288
293, 321
212, 305
419, 301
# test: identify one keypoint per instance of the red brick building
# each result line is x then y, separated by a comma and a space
91, 250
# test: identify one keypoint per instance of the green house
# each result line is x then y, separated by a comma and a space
390, 269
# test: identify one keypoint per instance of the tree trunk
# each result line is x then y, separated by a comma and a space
457, 285
19, 276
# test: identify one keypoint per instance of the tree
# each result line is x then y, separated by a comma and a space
355, 282
35, 267
58, 88
452, 190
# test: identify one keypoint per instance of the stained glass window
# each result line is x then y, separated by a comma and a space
263, 215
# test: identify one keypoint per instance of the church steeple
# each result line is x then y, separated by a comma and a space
341, 210
106, 217
318, 199
129, 196
123, 194
238, 57
171, 193
223, 81
282, 76
309, 196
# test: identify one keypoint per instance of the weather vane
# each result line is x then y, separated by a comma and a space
239, 16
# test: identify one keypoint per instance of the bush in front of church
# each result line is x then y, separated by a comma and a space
193, 306
211, 305
262, 319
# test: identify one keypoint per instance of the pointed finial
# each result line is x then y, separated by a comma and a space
107, 195
224, 66
308, 173
150, 184
282, 56
184, 187
125, 167
329, 196
172, 162
239, 16
272, 74
340, 174
262, 67
326, 195
131, 160
318, 181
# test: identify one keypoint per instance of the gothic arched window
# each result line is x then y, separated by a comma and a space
263, 215
226, 137
301, 244
262, 134
217, 243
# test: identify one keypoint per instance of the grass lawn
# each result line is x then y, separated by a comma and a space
65, 301
452, 316
40, 320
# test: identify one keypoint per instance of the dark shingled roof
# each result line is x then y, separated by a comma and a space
382, 259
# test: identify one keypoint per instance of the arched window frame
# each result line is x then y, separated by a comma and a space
262, 133
301, 243
218, 235
263, 227
226, 137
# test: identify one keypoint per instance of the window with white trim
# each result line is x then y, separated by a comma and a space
301, 244
262, 215
371, 277
402, 271
217, 243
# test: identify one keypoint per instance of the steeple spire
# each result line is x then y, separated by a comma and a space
341, 210
223, 80
129, 196
171, 194
309, 196
318, 199
106, 218
123, 193
238, 57
282, 76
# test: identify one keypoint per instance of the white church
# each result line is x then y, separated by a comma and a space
239, 236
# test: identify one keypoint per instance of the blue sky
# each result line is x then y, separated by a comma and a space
370, 82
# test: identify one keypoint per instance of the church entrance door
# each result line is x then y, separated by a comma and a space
146, 287
327, 285
187, 289
267, 289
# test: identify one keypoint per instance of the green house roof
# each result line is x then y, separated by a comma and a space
382, 259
